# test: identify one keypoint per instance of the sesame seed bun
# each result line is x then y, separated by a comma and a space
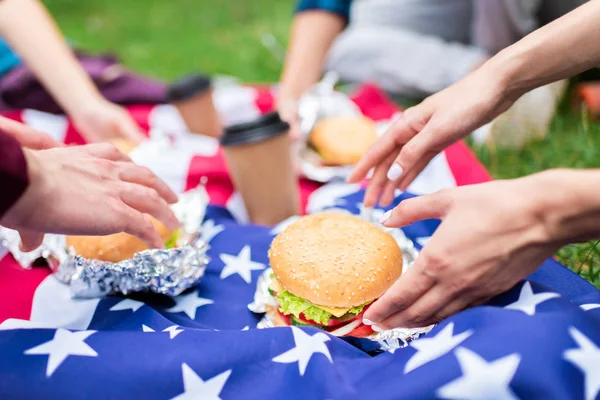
114, 248
335, 260
343, 140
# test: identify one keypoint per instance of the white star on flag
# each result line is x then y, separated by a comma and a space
588, 307
246, 328
173, 331
528, 301
189, 303
431, 348
480, 379
241, 264
330, 195
306, 346
196, 388
64, 344
209, 230
127, 304
586, 357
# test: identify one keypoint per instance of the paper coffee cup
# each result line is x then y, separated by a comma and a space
193, 98
259, 157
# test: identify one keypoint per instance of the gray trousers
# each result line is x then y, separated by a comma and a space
418, 47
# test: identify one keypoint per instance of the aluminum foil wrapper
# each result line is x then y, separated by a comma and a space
319, 103
389, 340
163, 271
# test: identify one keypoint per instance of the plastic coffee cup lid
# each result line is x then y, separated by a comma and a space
188, 87
260, 129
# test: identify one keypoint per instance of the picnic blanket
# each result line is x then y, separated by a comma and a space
539, 340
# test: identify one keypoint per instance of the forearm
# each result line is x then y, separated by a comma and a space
559, 50
311, 36
568, 204
32, 33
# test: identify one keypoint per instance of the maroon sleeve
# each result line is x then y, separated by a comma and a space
13, 172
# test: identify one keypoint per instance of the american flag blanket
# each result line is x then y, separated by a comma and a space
539, 340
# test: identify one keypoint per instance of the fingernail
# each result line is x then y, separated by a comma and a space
367, 321
394, 172
385, 217
377, 329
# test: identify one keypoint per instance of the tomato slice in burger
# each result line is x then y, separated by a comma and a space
362, 331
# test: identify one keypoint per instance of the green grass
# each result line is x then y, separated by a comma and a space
168, 39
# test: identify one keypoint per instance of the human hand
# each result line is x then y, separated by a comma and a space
491, 236
423, 131
287, 107
26, 136
101, 120
89, 190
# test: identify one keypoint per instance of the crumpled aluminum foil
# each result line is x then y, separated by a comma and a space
322, 101
389, 340
163, 271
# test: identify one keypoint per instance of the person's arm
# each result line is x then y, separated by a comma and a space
31, 32
312, 33
491, 236
561, 49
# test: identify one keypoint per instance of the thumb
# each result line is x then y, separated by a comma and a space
30, 240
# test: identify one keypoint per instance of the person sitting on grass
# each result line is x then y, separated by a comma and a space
416, 48
33, 50
494, 234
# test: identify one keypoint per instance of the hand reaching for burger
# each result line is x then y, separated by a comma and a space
423, 131
492, 235
89, 190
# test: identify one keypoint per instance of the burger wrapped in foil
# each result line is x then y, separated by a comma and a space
320, 103
165, 271
375, 342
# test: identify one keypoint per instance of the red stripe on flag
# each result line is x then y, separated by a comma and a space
465, 167
214, 169
17, 287
265, 100
15, 115
141, 115
374, 103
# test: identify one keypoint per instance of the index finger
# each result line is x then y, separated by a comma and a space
403, 293
133, 173
139, 225
380, 150
410, 123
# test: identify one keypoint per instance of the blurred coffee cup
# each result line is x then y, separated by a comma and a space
193, 98
259, 157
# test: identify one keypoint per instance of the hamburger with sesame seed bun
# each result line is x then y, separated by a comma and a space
343, 140
327, 269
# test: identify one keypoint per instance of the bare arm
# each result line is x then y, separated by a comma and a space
559, 50
311, 36
32, 33
565, 47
